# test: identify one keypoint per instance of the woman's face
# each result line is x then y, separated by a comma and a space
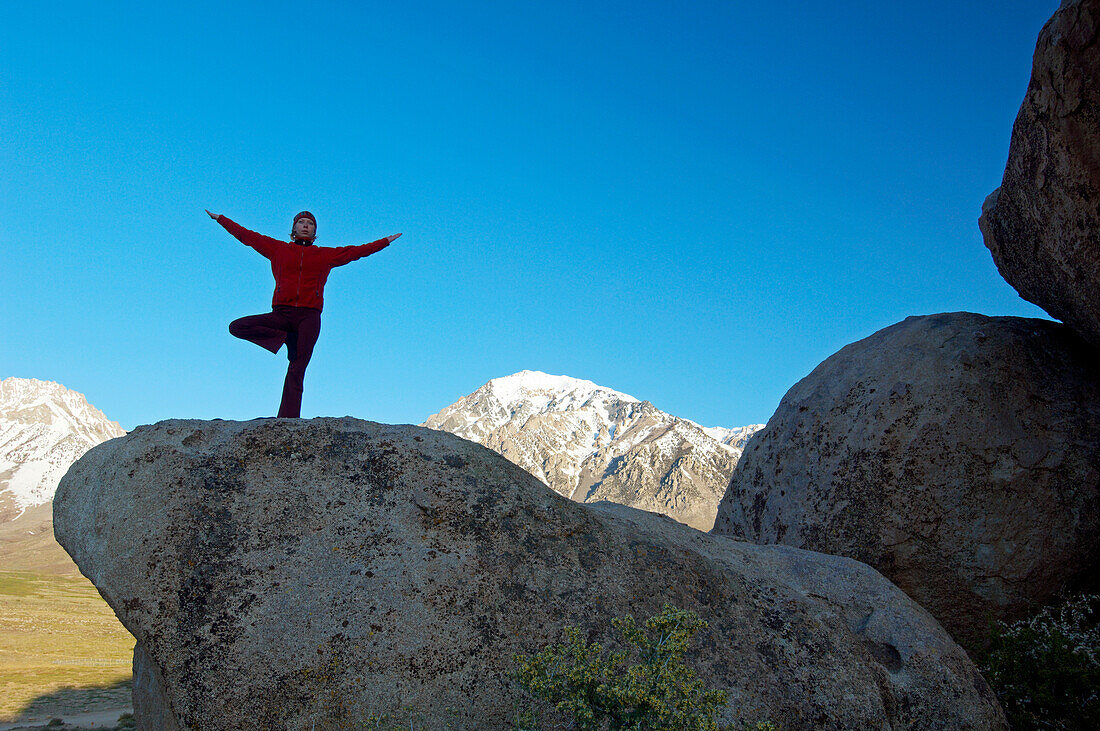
305, 229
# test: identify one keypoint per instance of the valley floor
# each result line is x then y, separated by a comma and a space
62, 650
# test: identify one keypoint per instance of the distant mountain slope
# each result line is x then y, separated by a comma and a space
27, 544
591, 443
44, 428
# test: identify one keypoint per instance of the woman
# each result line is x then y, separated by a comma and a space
300, 270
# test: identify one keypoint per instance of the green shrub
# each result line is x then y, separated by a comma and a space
594, 688
1046, 670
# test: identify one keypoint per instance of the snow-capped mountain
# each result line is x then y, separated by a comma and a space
591, 443
44, 428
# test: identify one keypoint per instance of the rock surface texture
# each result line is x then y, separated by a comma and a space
299, 574
1043, 224
958, 454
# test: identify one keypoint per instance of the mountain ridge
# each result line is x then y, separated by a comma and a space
44, 428
589, 442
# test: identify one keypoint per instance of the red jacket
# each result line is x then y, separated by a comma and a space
300, 269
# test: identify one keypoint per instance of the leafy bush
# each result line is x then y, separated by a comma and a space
1046, 670
594, 688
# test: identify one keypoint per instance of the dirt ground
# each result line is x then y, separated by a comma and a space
107, 719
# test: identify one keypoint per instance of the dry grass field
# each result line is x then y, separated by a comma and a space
62, 650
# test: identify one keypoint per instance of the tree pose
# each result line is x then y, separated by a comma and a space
300, 271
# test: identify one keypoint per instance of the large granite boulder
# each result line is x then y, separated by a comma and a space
298, 574
958, 454
1043, 224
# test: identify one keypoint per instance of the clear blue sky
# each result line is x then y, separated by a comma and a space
694, 203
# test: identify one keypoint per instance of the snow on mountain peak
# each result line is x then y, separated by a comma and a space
731, 437
520, 386
589, 442
44, 428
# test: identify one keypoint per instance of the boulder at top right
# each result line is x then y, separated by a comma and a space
956, 453
1043, 224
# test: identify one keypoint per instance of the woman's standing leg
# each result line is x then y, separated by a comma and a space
308, 329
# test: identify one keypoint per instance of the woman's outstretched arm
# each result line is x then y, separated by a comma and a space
263, 244
343, 254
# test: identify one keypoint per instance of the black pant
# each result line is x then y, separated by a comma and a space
298, 327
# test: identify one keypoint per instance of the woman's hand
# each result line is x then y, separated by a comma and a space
391, 239
216, 216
